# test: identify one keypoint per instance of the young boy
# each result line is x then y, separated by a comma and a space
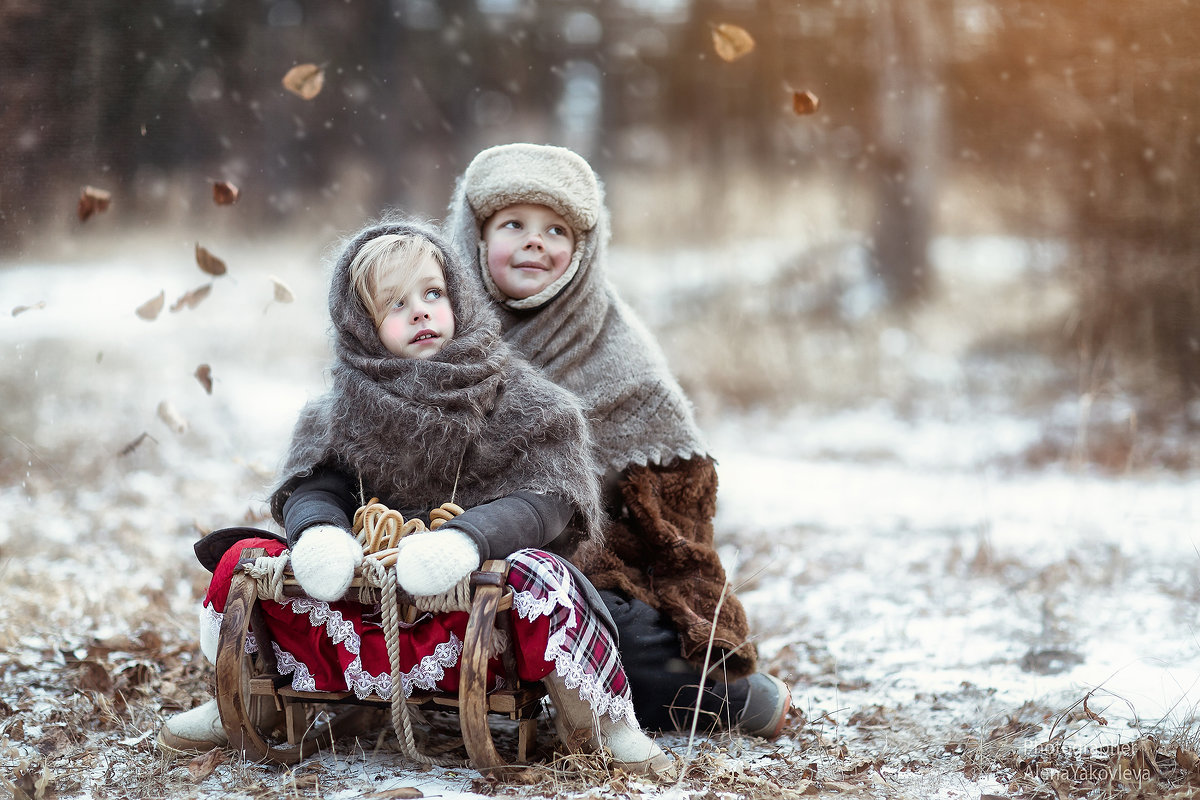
429, 405
534, 220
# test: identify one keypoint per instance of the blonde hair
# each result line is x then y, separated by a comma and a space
401, 252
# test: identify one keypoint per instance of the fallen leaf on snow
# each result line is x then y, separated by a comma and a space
191, 299
208, 262
92, 201
150, 309
35, 307
173, 419
304, 80
225, 193
134, 741
204, 375
400, 793
731, 41
203, 765
93, 677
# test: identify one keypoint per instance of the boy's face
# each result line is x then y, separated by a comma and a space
528, 248
418, 319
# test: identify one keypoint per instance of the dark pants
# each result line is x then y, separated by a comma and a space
664, 685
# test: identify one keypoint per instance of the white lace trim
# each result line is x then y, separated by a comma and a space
591, 688
302, 679
210, 623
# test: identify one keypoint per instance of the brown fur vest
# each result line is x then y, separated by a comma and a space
659, 550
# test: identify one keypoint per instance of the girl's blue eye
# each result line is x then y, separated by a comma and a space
433, 294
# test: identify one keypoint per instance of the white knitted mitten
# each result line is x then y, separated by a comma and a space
323, 561
431, 563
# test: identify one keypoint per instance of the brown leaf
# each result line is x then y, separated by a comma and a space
1092, 715
282, 293
173, 419
93, 677
150, 309
191, 299
204, 375
204, 764
1185, 758
399, 793
805, 103
136, 443
35, 307
305, 80
208, 262
731, 41
225, 193
92, 201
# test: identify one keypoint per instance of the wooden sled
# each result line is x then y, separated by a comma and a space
254, 700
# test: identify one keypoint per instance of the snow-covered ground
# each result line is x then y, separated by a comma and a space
929, 602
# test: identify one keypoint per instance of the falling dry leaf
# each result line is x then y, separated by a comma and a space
805, 103
92, 201
731, 42
282, 293
204, 375
150, 309
305, 80
22, 309
208, 262
225, 193
203, 765
192, 299
136, 443
173, 419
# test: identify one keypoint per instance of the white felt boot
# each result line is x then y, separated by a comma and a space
194, 731
581, 731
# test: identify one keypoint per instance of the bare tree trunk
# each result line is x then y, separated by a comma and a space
909, 148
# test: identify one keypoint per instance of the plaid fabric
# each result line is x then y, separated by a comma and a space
577, 643
339, 646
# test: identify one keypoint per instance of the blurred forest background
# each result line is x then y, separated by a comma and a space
1062, 124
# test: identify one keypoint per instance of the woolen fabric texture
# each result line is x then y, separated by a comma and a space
585, 339
471, 424
659, 545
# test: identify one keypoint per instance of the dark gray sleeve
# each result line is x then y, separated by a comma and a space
520, 520
327, 498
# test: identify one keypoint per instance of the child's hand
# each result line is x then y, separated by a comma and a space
323, 561
431, 563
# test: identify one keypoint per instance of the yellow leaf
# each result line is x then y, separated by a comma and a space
731, 41
304, 80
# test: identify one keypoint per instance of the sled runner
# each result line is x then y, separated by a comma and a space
269, 720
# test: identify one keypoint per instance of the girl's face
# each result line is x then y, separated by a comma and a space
528, 248
417, 320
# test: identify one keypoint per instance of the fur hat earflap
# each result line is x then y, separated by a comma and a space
545, 175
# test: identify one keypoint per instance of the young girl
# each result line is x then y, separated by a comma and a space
533, 220
428, 405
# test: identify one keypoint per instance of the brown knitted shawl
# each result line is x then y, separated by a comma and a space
473, 423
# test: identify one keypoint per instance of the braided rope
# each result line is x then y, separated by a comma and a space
379, 530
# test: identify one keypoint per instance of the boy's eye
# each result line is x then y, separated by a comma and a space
513, 224
558, 230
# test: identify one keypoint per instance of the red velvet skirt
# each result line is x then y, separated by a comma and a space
341, 646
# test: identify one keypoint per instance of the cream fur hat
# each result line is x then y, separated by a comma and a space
532, 173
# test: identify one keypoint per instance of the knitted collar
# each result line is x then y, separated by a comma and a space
588, 341
417, 431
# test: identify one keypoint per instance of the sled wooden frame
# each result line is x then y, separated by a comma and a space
248, 686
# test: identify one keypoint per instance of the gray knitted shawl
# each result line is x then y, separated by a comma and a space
473, 422
587, 340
